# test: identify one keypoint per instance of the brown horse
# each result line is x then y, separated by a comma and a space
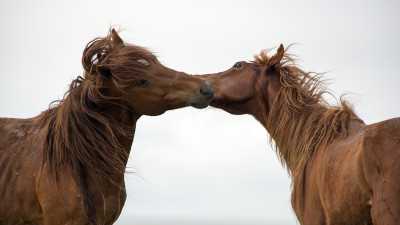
343, 171
66, 166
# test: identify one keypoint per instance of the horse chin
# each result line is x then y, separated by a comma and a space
199, 105
230, 107
152, 112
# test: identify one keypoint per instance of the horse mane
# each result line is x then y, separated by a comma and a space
301, 121
90, 131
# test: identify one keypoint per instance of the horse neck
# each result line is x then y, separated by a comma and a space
127, 117
297, 134
120, 114
96, 134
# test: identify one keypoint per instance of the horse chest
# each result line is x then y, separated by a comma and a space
109, 200
65, 204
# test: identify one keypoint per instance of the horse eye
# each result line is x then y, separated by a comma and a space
237, 65
141, 83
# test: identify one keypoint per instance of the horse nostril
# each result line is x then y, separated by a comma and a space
204, 96
206, 91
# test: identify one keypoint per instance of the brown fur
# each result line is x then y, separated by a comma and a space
320, 144
81, 118
317, 123
67, 165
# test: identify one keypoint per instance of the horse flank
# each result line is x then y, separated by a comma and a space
301, 121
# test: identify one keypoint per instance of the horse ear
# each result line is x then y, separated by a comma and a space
115, 37
275, 59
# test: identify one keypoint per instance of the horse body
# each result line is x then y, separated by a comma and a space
29, 192
30, 195
18, 149
334, 178
356, 180
67, 165
343, 171
381, 149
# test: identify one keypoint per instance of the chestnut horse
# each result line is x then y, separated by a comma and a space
66, 166
343, 171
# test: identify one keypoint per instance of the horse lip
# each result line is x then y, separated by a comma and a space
200, 105
201, 102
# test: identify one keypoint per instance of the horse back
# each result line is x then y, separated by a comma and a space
382, 143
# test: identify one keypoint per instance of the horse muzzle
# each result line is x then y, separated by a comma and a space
205, 95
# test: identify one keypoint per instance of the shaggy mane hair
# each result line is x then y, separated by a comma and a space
88, 130
301, 121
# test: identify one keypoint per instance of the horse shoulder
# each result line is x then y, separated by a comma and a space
61, 203
381, 155
381, 150
340, 181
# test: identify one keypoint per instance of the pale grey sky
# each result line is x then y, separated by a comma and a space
204, 166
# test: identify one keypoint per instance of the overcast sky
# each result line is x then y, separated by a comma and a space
198, 167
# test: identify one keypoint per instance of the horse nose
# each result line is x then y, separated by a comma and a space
206, 90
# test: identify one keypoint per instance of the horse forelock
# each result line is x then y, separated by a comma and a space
301, 121
122, 63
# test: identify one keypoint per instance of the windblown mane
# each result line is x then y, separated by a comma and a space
301, 121
88, 131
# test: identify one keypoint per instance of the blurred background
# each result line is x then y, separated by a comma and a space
203, 167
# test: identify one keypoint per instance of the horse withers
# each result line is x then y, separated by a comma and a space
343, 171
66, 165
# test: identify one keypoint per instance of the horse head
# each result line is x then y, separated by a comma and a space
248, 87
133, 75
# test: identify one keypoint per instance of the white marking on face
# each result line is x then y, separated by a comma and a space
143, 62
